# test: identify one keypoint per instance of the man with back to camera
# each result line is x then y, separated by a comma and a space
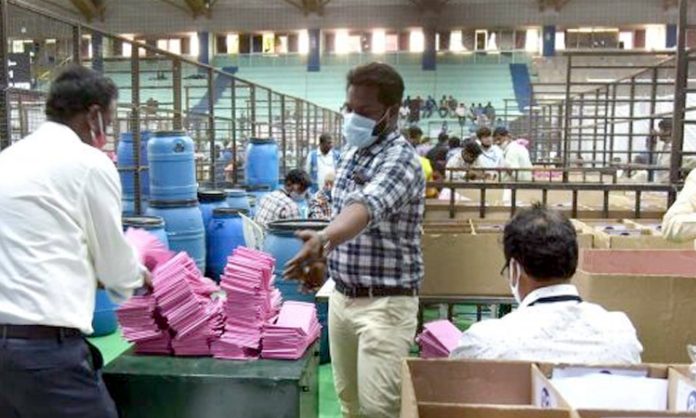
679, 223
552, 323
60, 218
373, 246
284, 203
438, 155
514, 154
322, 161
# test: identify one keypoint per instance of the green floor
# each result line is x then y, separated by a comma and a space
111, 346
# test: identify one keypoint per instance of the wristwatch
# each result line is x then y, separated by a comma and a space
325, 243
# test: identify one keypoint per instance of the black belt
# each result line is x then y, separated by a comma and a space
37, 332
554, 299
374, 291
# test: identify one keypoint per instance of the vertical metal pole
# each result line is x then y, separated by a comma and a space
631, 114
316, 125
5, 125
135, 125
559, 132
270, 113
612, 130
595, 123
606, 127
233, 110
581, 122
568, 120
283, 135
77, 44
653, 110
211, 125
680, 86
176, 94
252, 117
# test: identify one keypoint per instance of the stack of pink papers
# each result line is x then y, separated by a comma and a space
438, 339
152, 251
251, 302
139, 326
191, 317
295, 330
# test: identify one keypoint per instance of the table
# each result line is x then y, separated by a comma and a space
179, 387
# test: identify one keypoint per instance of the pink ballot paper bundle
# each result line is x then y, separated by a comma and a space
140, 325
252, 302
438, 339
296, 328
152, 251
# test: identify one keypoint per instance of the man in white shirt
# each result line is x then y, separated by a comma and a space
492, 156
515, 155
322, 161
679, 223
60, 217
466, 159
552, 323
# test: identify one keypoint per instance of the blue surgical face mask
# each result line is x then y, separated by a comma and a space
359, 130
297, 197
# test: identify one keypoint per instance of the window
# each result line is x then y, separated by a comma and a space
220, 44
303, 42
391, 43
456, 44
481, 40
416, 41
379, 41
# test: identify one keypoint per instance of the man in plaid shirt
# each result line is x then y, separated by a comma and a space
320, 205
283, 203
373, 246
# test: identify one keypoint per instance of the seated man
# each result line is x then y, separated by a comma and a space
320, 205
552, 322
679, 223
515, 155
467, 160
284, 203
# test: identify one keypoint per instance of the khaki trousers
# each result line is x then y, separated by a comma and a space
369, 337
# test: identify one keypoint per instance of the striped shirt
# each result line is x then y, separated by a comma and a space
276, 206
388, 179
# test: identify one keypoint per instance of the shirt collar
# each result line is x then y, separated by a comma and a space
549, 291
382, 143
65, 131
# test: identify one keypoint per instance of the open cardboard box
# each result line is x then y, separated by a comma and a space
655, 288
470, 389
627, 234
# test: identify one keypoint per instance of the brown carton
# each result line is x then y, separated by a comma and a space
655, 288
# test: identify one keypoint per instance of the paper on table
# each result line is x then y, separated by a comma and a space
253, 233
445, 332
602, 391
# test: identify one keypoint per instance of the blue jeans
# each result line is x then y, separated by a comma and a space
50, 378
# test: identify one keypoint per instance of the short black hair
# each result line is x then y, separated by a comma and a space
665, 124
77, 88
298, 176
414, 131
483, 132
500, 131
388, 81
472, 147
454, 142
325, 137
543, 241
442, 137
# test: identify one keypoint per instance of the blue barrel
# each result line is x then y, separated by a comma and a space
104, 321
283, 245
262, 164
209, 200
126, 158
152, 224
172, 167
225, 234
255, 195
128, 203
238, 199
184, 225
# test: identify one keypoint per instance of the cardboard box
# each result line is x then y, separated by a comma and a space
627, 234
654, 226
470, 389
655, 288
465, 258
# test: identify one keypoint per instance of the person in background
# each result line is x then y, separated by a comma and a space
415, 135
499, 123
443, 110
322, 160
61, 235
416, 107
489, 111
404, 112
438, 155
320, 204
492, 156
480, 110
373, 246
451, 105
430, 106
552, 322
661, 141
461, 113
679, 223
455, 147
284, 203
515, 155
473, 111
466, 159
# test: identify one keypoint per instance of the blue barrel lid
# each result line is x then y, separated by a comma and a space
228, 212
160, 134
128, 136
210, 195
293, 225
164, 204
262, 141
259, 188
144, 222
236, 192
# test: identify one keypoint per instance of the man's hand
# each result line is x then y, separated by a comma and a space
147, 280
311, 252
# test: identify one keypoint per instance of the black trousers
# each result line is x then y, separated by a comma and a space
52, 378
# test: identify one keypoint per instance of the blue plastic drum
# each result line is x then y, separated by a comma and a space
209, 200
225, 234
104, 321
183, 222
172, 167
238, 199
262, 163
126, 159
152, 224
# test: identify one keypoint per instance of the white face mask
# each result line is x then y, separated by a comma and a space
359, 130
514, 273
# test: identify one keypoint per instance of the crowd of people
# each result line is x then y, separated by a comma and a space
413, 110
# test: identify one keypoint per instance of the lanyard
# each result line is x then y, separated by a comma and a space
554, 299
